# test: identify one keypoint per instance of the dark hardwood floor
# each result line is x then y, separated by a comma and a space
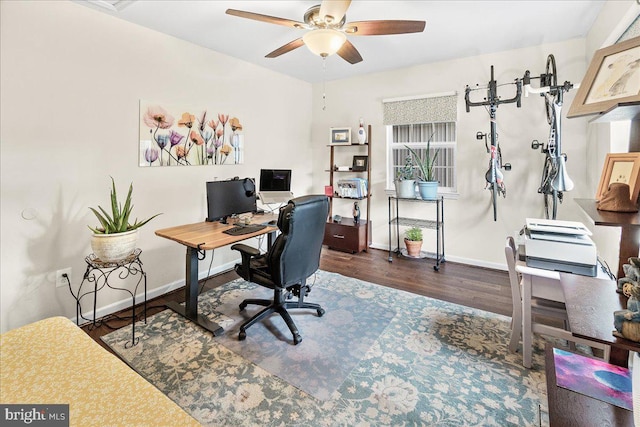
476, 287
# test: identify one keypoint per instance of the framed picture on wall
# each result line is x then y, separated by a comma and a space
340, 136
621, 167
613, 77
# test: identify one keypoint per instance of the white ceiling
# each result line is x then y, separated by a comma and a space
454, 29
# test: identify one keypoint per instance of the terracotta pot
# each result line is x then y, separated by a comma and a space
114, 247
413, 247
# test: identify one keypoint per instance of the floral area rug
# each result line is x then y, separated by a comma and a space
435, 363
327, 353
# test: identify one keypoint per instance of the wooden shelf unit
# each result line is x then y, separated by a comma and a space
346, 235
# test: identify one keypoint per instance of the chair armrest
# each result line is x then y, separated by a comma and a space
246, 250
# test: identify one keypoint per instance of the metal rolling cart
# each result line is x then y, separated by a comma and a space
438, 225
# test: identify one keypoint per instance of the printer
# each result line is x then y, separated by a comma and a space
560, 246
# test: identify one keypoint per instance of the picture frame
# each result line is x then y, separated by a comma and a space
621, 167
360, 163
340, 136
613, 77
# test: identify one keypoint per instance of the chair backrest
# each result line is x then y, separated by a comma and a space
510, 253
295, 255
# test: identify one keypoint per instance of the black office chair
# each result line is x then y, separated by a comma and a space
293, 257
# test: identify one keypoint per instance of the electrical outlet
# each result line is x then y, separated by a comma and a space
60, 279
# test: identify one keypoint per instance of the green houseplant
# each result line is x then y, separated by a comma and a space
427, 182
413, 241
115, 238
405, 179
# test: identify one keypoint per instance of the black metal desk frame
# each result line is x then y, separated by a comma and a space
99, 273
438, 225
190, 308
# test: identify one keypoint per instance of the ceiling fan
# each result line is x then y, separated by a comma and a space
329, 29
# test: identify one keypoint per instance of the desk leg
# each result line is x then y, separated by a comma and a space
527, 335
629, 246
190, 308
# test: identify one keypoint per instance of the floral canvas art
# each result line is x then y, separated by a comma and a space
176, 136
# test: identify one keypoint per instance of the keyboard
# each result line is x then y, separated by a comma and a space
239, 230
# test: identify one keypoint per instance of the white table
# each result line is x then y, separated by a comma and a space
540, 283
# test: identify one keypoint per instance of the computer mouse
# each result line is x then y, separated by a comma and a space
273, 222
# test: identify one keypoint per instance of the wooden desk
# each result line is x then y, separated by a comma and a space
568, 408
203, 236
629, 222
590, 305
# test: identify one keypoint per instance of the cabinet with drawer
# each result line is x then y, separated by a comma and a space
346, 235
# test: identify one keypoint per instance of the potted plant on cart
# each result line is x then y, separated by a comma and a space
116, 238
405, 180
427, 183
413, 241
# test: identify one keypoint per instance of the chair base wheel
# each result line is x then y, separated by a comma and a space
242, 335
297, 338
242, 306
320, 312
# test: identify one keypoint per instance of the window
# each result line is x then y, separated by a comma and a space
411, 122
443, 138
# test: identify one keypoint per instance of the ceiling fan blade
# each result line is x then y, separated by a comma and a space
266, 18
286, 48
349, 53
332, 11
384, 27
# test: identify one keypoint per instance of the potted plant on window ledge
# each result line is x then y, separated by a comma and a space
115, 238
405, 180
427, 183
413, 241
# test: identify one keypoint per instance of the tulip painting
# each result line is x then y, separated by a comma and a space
177, 136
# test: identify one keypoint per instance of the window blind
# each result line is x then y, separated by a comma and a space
427, 109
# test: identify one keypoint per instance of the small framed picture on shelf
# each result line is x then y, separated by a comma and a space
340, 136
360, 163
620, 167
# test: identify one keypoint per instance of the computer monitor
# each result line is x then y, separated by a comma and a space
275, 180
231, 197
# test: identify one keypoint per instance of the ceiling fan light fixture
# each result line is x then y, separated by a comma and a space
324, 42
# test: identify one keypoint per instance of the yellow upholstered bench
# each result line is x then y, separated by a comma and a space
52, 361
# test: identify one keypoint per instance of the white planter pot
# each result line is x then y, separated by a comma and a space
405, 189
114, 247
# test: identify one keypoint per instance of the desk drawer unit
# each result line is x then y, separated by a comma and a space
346, 236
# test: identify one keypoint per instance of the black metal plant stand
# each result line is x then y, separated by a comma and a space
437, 225
99, 273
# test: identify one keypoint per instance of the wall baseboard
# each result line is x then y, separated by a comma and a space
159, 291
153, 293
466, 261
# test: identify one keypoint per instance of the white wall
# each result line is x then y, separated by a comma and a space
612, 21
471, 234
71, 82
